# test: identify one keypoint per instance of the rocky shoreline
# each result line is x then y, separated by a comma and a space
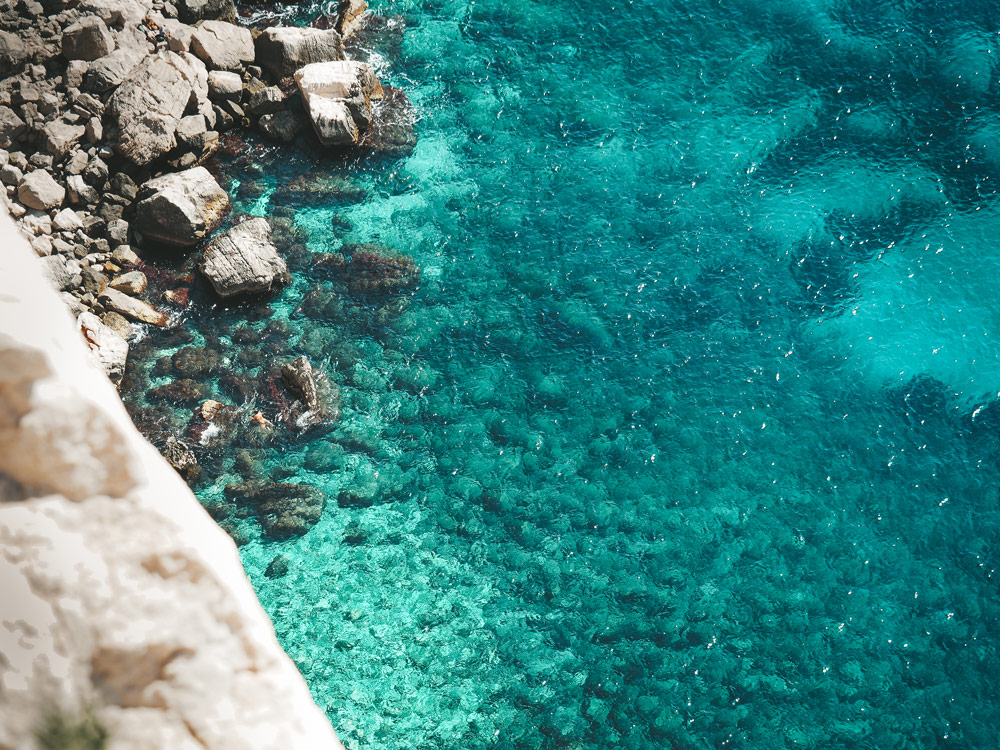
111, 116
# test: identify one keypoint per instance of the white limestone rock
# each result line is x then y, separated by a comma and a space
146, 108
281, 50
130, 307
223, 46
39, 190
243, 260
119, 591
338, 97
180, 208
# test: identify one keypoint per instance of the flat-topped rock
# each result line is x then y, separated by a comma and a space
338, 97
223, 46
190, 11
282, 50
243, 260
180, 208
148, 105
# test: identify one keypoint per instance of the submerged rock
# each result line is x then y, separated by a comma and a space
182, 458
183, 392
243, 260
284, 509
180, 208
282, 50
375, 269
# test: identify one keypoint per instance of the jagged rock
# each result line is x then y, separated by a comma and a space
146, 108
285, 510
13, 53
87, 39
11, 126
298, 376
133, 282
109, 71
66, 221
338, 98
266, 101
59, 136
131, 307
38, 190
224, 84
281, 50
109, 349
62, 273
243, 260
191, 130
80, 193
180, 208
349, 15
282, 126
190, 11
123, 255
223, 46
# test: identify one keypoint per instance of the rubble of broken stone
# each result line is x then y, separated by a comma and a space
110, 114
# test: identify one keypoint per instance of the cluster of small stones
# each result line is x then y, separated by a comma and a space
110, 111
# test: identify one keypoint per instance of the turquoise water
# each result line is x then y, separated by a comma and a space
688, 437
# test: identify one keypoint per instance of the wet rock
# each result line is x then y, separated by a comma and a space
38, 190
195, 361
317, 189
285, 510
298, 376
133, 282
214, 424
281, 126
391, 128
338, 98
87, 39
182, 458
278, 567
180, 208
177, 296
328, 265
243, 260
108, 347
282, 50
223, 46
240, 388
133, 308
146, 108
375, 269
183, 392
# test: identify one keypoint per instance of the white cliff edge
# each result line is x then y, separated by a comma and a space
117, 591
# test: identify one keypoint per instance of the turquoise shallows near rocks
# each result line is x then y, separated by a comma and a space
672, 422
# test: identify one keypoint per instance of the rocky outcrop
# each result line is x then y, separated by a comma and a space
243, 260
181, 208
223, 46
147, 107
298, 376
338, 98
281, 50
119, 592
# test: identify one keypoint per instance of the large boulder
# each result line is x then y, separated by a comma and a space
243, 260
39, 190
223, 46
108, 348
281, 50
109, 71
146, 108
87, 39
338, 97
191, 11
180, 208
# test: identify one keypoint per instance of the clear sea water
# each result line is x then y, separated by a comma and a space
689, 436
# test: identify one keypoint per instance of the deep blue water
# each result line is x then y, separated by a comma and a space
689, 436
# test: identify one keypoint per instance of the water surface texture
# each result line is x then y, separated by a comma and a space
689, 436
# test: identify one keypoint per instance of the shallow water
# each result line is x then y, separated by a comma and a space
689, 436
